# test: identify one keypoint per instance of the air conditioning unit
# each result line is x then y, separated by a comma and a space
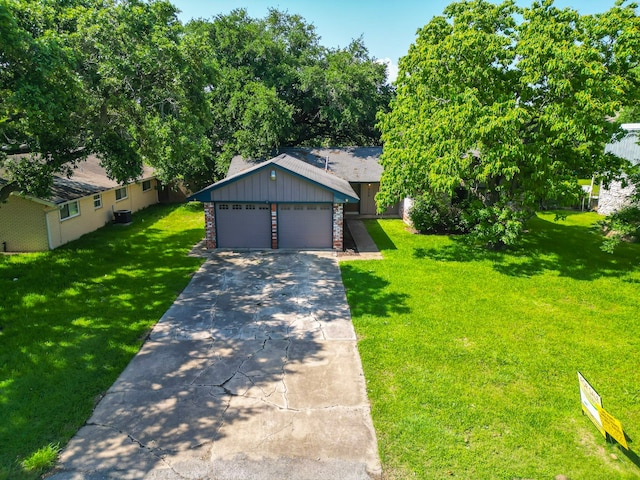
122, 216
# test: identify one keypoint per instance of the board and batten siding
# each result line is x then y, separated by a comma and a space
258, 187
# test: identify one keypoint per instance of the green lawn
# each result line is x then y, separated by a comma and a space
71, 319
596, 186
471, 356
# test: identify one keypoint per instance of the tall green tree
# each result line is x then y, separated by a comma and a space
112, 78
146, 87
41, 97
510, 106
276, 86
125, 80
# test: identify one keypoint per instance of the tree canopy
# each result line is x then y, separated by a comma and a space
275, 85
127, 81
507, 107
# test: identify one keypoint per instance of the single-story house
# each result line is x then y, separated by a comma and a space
77, 205
360, 166
279, 203
616, 196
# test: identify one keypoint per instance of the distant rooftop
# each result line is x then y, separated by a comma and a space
354, 164
627, 147
89, 178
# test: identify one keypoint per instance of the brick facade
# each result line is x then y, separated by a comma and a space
274, 226
210, 224
338, 227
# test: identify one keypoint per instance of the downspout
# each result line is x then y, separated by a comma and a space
46, 221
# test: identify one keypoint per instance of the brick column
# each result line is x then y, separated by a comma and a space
274, 226
210, 224
338, 227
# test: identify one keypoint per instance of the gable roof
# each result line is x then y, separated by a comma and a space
353, 164
627, 147
89, 178
340, 187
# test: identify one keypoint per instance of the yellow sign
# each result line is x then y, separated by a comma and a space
591, 403
613, 427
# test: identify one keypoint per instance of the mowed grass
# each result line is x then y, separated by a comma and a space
71, 319
471, 356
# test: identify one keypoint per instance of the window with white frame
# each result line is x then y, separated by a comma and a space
146, 185
97, 201
69, 210
121, 194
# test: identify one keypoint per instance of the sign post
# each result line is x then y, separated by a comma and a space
607, 424
591, 403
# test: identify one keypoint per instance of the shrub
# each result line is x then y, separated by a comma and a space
42, 459
623, 225
430, 215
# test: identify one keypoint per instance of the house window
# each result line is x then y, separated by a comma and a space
236, 207
121, 194
97, 201
69, 210
146, 185
249, 207
223, 206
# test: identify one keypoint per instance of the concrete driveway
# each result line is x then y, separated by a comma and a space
253, 373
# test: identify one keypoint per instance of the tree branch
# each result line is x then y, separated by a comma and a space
7, 189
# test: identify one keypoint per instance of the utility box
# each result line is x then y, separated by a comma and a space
122, 216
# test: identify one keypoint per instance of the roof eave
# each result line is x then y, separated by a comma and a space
204, 195
41, 201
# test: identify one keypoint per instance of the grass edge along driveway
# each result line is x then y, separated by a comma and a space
72, 318
471, 356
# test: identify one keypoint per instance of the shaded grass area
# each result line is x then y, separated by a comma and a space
71, 319
471, 356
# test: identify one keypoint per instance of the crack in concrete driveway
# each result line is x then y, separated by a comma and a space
252, 373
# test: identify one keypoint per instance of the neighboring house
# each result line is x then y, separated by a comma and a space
617, 196
360, 166
279, 203
77, 205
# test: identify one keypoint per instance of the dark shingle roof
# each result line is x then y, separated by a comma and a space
290, 164
315, 174
354, 164
89, 178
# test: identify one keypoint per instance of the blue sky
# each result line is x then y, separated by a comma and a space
387, 27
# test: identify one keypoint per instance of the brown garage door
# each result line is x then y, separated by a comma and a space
243, 225
305, 226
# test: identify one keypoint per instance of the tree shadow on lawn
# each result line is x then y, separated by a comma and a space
247, 338
571, 250
71, 320
367, 295
75, 316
